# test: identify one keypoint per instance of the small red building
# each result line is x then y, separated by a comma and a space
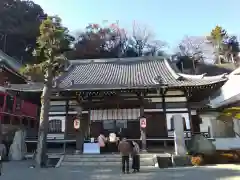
14, 111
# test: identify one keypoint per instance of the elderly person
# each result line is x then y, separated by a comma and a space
135, 157
125, 149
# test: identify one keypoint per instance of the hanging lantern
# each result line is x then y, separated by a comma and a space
76, 123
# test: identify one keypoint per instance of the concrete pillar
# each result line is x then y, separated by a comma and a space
179, 141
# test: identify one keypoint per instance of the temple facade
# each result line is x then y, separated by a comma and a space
109, 95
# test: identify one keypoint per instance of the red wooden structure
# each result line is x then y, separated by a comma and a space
15, 112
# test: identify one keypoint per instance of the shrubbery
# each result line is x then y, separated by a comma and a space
220, 157
197, 160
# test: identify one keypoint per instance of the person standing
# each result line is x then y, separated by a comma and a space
125, 150
102, 143
135, 157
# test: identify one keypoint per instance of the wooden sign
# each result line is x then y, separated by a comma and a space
76, 124
143, 122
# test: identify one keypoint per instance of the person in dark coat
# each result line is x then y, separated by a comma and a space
135, 157
125, 149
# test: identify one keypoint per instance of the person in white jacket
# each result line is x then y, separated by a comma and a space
102, 143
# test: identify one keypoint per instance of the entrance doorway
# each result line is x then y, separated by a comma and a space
123, 121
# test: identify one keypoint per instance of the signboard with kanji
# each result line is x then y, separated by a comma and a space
143, 122
76, 124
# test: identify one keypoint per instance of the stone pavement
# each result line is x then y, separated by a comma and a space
21, 171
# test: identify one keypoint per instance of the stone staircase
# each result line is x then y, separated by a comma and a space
103, 160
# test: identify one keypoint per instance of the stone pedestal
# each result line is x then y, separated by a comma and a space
183, 160
179, 141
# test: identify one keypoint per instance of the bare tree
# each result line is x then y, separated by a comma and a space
191, 50
192, 46
143, 41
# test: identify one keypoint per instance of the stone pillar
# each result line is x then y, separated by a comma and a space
236, 127
179, 141
212, 126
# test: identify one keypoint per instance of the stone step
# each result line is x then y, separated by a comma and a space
108, 159
64, 163
146, 160
104, 160
105, 155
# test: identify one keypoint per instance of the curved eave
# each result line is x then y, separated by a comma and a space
229, 93
39, 87
223, 76
197, 94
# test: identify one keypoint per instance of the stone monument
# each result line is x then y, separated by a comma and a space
3, 151
18, 147
179, 158
179, 141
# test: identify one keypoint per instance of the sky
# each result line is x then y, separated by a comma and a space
169, 20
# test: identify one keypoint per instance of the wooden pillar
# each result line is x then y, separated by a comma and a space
192, 128
79, 132
163, 92
143, 130
66, 125
190, 119
89, 124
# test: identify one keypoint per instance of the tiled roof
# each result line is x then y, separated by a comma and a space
30, 87
143, 72
11, 62
126, 73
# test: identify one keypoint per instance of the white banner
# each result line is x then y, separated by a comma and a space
114, 114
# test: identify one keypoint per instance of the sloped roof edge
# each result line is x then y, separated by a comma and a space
11, 62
